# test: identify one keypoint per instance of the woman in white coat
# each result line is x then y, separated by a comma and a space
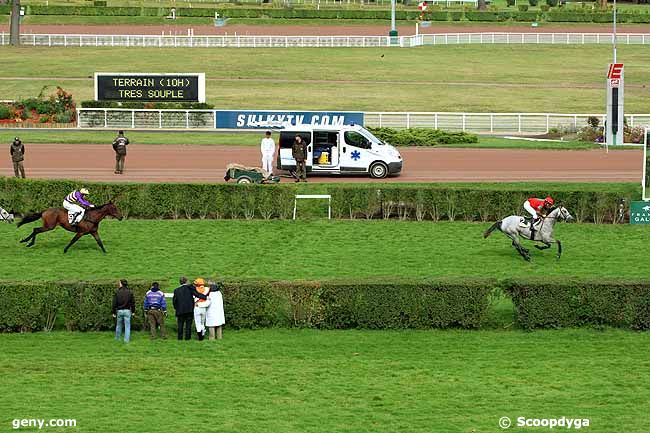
215, 317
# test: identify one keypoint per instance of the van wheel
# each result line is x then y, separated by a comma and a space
378, 170
244, 179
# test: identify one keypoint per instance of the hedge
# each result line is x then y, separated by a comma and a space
148, 105
432, 202
157, 200
566, 303
554, 15
412, 202
86, 306
422, 136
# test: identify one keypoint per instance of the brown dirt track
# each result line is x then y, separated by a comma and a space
173, 163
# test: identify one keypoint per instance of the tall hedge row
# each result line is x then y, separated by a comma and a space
157, 200
86, 306
566, 303
554, 15
424, 304
406, 202
432, 202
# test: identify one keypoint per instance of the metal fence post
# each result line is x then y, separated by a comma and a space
160, 119
133, 119
408, 120
380, 120
435, 121
519, 122
187, 119
105, 118
491, 122
548, 120
463, 122
575, 121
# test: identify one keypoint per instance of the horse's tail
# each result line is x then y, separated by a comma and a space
30, 218
493, 227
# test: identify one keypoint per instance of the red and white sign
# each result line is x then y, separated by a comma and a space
615, 71
614, 83
422, 6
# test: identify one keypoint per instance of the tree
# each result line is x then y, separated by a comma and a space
14, 29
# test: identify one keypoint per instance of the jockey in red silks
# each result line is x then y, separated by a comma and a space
537, 207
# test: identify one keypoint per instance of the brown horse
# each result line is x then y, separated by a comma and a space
54, 217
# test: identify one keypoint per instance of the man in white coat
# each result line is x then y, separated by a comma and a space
268, 151
215, 317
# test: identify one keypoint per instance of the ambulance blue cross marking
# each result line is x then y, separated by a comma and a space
355, 155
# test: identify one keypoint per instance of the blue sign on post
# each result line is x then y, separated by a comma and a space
283, 119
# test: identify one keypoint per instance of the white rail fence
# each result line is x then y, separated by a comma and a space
485, 123
232, 41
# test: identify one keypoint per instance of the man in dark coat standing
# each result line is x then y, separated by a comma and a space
184, 306
119, 146
17, 152
299, 153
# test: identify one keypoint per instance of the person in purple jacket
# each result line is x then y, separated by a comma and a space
155, 306
76, 204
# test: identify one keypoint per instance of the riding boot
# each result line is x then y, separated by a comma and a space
532, 233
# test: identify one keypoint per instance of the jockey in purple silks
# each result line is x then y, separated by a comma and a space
76, 205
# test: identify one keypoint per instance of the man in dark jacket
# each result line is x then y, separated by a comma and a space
299, 153
123, 310
17, 152
119, 146
184, 306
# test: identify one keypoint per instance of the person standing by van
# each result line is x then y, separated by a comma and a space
119, 146
268, 151
299, 153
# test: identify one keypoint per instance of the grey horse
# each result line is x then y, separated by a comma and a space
515, 226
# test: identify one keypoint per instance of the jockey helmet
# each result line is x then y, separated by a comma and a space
549, 201
84, 191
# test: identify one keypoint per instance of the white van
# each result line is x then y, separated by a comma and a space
347, 149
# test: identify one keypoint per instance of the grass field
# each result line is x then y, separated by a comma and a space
241, 138
302, 381
316, 249
441, 78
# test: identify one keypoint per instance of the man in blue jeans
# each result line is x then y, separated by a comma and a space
123, 309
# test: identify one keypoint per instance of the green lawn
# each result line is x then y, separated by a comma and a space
303, 381
240, 138
488, 79
316, 249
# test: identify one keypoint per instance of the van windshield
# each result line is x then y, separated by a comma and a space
370, 136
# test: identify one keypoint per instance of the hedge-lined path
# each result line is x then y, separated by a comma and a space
321, 30
178, 163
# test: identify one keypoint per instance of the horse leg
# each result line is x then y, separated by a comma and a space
99, 241
559, 249
521, 250
32, 237
72, 241
547, 245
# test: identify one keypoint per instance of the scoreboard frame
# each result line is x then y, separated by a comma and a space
166, 91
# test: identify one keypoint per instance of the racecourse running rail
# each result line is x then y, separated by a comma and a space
234, 41
515, 123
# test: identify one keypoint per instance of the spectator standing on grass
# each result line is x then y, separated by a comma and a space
268, 151
119, 146
17, 152
299, 153
215, 317
123, 310
184, 306
155, 307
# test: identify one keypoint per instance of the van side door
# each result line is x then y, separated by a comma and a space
285, 156
355, 152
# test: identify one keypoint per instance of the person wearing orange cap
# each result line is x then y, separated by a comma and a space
200, 307
537, 207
